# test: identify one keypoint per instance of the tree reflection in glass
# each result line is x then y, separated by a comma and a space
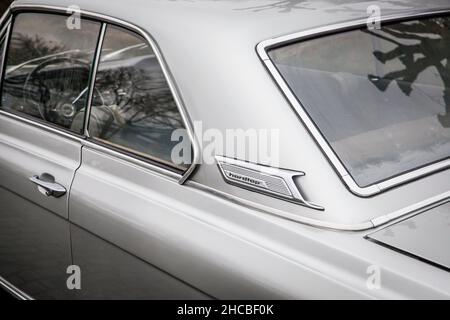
133, 107
381, 98
418, 45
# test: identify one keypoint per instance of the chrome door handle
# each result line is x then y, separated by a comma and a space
49, 188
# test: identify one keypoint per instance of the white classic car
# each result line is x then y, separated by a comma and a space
225, 149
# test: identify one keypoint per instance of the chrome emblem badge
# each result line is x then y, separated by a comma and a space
272, 181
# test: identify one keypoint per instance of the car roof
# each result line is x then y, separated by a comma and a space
255, 19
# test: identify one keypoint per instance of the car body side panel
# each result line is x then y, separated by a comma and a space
145, 215
34, 248
425, 236
229, 251
111, 273
27, 150
34, 230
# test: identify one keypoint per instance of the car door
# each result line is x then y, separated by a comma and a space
45, 76
130, 127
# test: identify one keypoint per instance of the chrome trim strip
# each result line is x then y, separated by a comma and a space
416, 174
351, 184
160, 171
261, 175
46, 127
5, 32
13, 290
17, 7
4, 28
93, 78
415, 208
366, 225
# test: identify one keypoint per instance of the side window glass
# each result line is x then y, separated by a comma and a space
133, 107
48, 67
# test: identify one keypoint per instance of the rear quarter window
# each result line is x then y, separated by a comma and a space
381, 98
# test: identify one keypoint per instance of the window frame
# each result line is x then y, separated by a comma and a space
158, 165
376, 188
5, 29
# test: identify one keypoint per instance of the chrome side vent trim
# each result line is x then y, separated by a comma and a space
272, 181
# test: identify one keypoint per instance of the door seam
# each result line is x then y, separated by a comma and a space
68, 202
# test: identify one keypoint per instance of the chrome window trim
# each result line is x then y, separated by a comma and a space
121, 156
414, 209
4, 29
5, 35
13, 290
42, 125
5, 25
93, 78
365, 225
161, 171
374, 189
